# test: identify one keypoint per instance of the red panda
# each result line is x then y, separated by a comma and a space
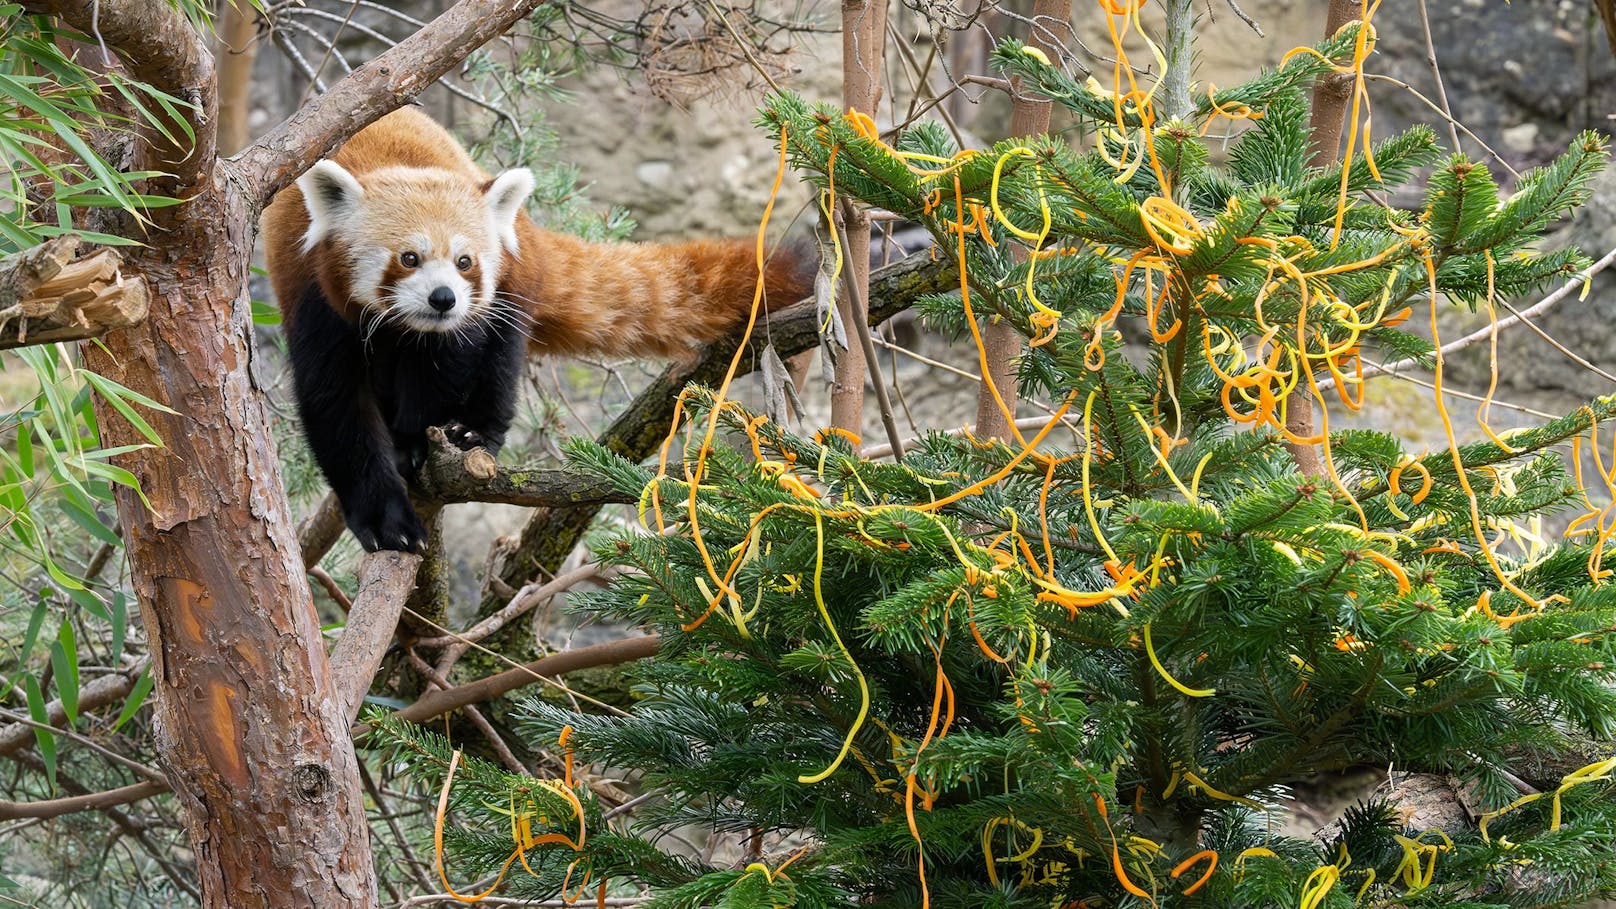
410, 282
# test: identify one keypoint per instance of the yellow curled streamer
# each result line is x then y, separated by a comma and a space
824, 613
1593, 773
1317, 886
1150, 650
1220, 795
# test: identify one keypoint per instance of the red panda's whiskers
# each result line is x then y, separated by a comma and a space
515, 297
511, 320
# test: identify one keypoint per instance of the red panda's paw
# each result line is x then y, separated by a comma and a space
466, 438
387, 521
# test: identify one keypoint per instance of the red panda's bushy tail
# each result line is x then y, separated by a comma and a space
661, 300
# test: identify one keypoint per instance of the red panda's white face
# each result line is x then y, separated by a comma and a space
424, 247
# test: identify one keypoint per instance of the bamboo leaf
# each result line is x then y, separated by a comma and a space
43, 737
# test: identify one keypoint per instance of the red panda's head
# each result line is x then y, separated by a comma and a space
424, 247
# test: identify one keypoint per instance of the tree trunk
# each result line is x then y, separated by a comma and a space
236, 50
1330, 95
254, 746
1001, 342
864, 29
258, 754
247, 721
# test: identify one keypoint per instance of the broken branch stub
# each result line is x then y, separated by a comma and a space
49, 293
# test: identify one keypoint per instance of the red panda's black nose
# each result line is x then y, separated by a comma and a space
442, 299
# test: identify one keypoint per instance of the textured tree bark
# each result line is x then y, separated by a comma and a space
1330, 95
1001, 342
251, 738
385, 579
864, 30
1175, 101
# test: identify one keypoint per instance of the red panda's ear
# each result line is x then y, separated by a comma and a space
505, 195
331, 195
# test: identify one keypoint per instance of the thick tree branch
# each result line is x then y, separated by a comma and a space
1330, 95
130, 826
160, 47
1001, 342
438, 703
385, 581
369, 92
433, 704
46, 295
93, 695
319, 531
49, 808
452, 476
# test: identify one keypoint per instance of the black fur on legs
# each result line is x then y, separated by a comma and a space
367, 393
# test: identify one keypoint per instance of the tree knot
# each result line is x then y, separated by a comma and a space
313, 782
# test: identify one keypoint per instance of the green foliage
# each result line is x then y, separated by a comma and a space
49, 104
1016, 675
57, 479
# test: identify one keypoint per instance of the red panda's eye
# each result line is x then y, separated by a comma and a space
409, 260
463, 263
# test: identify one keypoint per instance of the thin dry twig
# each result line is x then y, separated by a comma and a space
1436, 74
1525, 315
1452, 121
332, 590
113, 756
489, 733
525, 600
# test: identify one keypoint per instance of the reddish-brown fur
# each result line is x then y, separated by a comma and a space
615, 299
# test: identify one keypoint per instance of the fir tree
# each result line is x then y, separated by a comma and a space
1022, 675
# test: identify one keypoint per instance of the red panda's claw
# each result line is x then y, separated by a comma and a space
465, 438
392, 524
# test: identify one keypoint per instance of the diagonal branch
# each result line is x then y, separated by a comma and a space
637, 432
372, 90
437, 703
431, 705
1526, 315
92, 696
385, 581
49, 808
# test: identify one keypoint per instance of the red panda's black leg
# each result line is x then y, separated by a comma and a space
345, 429
486, 416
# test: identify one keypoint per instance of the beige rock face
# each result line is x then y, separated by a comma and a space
705, 168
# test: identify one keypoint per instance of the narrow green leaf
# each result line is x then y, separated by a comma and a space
73, 505
65, 662
25, 449
36, 620
55, 571
265, 313
102, 383
137, 696
43, 737
89, 602
114, 394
